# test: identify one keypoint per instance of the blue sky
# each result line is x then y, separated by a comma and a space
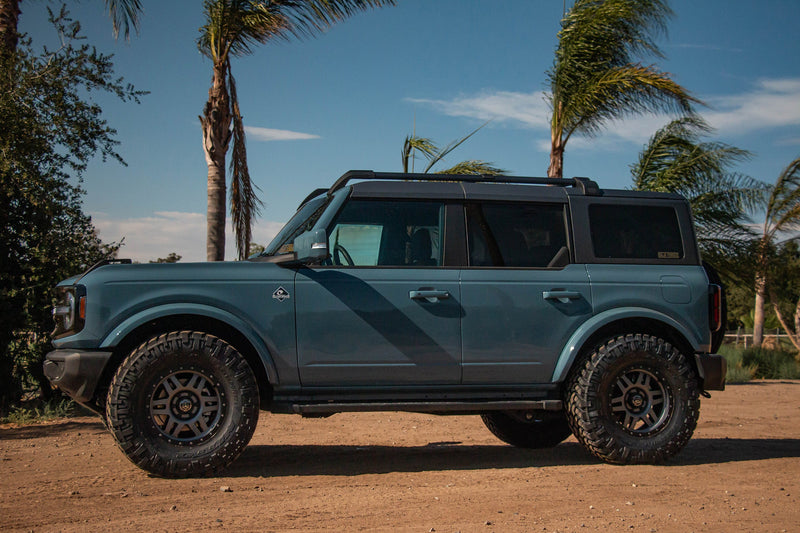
346, 100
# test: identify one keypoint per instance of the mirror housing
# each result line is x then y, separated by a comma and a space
311, 246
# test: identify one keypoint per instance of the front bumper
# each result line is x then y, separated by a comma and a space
76, 372
712, 368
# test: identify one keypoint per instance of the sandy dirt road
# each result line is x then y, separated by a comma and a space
409, 472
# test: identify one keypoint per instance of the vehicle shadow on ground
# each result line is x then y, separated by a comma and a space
313, 460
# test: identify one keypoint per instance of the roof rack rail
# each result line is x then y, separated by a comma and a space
313, 195
587, 186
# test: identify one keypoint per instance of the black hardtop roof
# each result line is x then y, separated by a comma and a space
371, 183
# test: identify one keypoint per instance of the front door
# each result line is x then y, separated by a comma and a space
383, 312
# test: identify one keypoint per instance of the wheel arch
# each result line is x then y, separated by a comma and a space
601, 327
138, 329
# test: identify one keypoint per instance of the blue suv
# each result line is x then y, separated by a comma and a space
548, 307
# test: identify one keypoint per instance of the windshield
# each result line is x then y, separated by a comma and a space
302, 221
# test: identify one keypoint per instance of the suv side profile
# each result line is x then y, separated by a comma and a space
548, 307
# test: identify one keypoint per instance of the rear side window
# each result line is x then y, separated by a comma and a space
635, 232
517, 235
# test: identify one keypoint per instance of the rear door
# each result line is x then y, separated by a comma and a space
522, 296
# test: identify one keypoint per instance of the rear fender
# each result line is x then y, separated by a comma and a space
590, 327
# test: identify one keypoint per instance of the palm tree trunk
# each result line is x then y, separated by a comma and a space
9, 20
556, 168
216, 122
761, 291
758, 313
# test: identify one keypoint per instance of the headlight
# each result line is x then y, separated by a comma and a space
69, 311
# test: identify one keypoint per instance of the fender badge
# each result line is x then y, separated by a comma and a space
281, 294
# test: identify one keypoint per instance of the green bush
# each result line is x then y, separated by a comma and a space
760, 363
772, 364
737, 371
35, 411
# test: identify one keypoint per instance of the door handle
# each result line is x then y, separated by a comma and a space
561, 295
429, 295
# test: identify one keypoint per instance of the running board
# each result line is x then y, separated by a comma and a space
442, 408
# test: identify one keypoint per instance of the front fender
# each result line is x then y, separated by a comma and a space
588, 328
162, 311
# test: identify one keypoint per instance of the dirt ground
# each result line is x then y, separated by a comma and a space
409, 472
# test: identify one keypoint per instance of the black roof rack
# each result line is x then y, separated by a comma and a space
314, 194
587, 187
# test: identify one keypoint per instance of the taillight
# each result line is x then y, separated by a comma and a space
714, 307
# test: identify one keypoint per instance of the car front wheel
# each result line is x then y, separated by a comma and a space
183, 404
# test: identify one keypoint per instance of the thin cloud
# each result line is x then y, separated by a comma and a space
269, 134
773, 103
711, 47
148, 238
528, 110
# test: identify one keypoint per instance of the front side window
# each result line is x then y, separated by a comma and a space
517, 235
635, 232
387, 233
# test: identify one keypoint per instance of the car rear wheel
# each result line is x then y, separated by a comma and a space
634, 400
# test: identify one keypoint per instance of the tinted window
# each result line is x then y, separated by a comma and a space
516, 235
387, 233
635, 232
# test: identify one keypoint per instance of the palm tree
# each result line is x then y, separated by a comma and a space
594, 78
124, 16
434, 154
675, 160
232, 27
782, 213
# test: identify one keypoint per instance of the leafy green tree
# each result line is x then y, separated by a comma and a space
171, 258
594, 78
232, 27
414, 144
124, 16
784, 289
49, 134
782, 213
255, 249
676, 160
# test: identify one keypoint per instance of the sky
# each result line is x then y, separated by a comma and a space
346, 99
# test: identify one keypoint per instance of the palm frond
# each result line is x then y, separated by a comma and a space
595, 75
420, 144
783, 205
452, 146
124, 16
475, 167
234, 26
623, 91
245, 204
676, 160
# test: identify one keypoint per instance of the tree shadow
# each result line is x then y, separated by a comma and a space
332, 460
37, 431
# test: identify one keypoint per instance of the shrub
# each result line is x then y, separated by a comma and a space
772, 364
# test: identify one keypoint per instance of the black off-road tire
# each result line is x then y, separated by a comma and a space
528, 429
634, 400
183, 404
